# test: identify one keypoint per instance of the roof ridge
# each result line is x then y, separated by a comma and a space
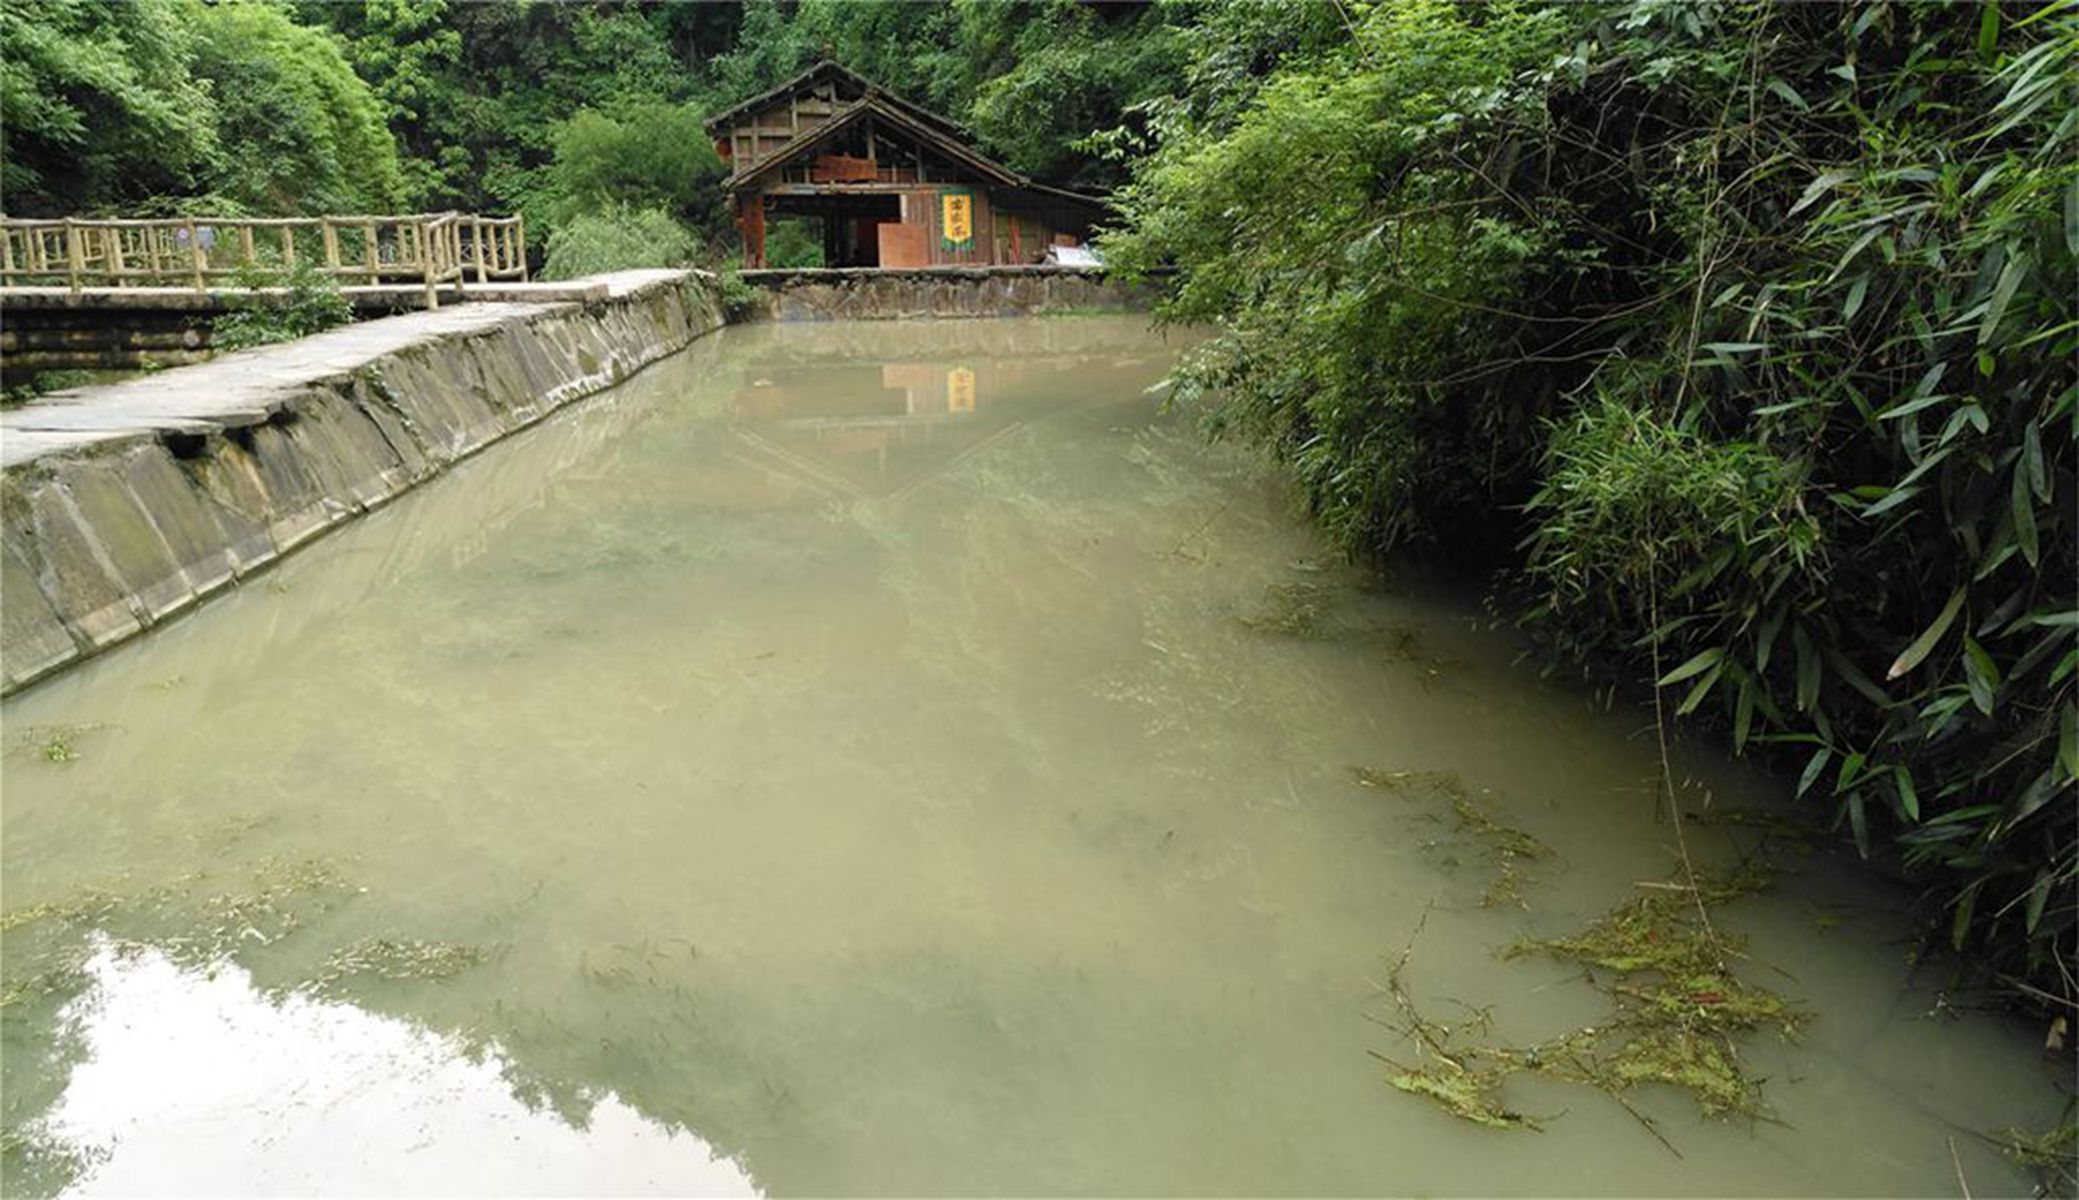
819, 67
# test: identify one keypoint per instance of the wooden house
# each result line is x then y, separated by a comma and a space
892, 184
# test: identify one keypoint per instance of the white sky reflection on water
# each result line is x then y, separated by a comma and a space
195, 1083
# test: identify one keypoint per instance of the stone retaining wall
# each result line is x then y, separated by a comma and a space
861, 294
122, 506
133, 328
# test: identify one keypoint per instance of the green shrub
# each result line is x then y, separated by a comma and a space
617, 239
24, 386
794, 242
645, 156
313, 303
739, 299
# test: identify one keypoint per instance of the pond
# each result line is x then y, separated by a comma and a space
892, 758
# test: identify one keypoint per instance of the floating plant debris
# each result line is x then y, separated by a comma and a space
1292, 609
1504, 847
404, 959
1678, 1013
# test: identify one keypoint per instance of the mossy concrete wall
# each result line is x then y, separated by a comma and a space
122, 506
861, 294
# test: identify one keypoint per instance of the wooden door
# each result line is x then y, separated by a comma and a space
903, 245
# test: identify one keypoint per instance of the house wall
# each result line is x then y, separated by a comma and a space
922, 207
758, 134
1025, 231
1006, 233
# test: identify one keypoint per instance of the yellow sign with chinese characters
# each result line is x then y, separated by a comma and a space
960, 390
956, 219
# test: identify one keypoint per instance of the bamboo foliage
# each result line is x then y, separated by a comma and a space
1739, 336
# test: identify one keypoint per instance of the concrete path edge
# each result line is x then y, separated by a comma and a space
123, 506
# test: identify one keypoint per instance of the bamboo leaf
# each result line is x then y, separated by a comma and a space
1765, 639
1911, 406
2072, 216
2002, 295
1910, 657
1896, 497
1696, 694
2068, 741
1856, 679
2038, 896
1851, 771
2032, 462
1817, 188
1960, 926
2034, 796
1808, 669
1692, 667
1856, 292
1909, 796
1812, 770
1980, 674
2025, 518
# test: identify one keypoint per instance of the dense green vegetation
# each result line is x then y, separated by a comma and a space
174, 103
1741, 334
584, 116
1737, 335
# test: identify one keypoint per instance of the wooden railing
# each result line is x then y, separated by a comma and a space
429, 249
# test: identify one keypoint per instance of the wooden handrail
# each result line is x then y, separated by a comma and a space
426, 248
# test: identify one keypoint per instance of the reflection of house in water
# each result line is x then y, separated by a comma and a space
854, 411
877, 431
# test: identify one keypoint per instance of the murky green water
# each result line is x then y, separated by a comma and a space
890, 759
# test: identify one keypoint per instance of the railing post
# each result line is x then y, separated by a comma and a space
197, 261
372, 260
75, 256
289, 248
245, 245
476, 241
6, 257
426, 262
520, 245
112, 250
330, 237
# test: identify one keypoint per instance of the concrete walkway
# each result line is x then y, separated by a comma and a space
246, 387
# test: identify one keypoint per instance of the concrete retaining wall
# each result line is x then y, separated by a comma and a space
868, 295
122, 506
129, 328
